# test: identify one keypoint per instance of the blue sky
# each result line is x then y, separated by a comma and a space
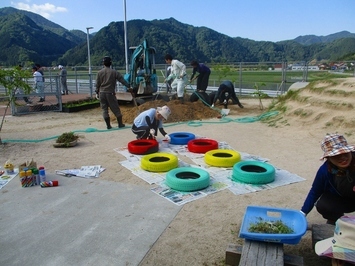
260, 20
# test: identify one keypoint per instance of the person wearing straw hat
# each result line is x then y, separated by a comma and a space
333, 189
341, 247
147, 123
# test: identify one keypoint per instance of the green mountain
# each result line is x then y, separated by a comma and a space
312, 39
28, 37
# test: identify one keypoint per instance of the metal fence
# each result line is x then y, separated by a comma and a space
275, 77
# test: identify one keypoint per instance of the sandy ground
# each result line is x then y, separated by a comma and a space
201, 231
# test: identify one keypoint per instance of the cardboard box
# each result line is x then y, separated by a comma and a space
28, 164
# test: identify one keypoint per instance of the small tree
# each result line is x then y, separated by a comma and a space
12, 80
259, 94
222, 70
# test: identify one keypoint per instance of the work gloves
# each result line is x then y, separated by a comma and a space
167, 137
97, 96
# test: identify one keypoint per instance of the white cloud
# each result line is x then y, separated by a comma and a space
45, 10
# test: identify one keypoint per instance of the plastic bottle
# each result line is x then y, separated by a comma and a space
35, 172
42, 174
53, 183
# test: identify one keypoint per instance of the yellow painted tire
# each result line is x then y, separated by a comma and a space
222, 158
159, 162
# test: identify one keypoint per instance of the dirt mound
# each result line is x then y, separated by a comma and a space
179, 112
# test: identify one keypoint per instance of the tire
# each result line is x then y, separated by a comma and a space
181, 138
187, 179
159, 162
143, 146
202, 145
253, 172
222, 158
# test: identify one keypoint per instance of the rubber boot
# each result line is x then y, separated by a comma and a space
181, 99
108, 123
120, 124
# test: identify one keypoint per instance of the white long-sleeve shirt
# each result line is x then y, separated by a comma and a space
178, 69
37, 77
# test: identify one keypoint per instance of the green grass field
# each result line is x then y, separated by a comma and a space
247, 78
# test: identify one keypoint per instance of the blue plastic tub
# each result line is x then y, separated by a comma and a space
292, 218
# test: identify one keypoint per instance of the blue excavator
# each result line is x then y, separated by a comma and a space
142, 74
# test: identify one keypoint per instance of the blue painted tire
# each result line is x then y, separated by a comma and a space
253, 172
187, 179
222, 158
181, 138
159, 162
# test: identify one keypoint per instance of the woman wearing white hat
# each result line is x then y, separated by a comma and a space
333, 189
147, 123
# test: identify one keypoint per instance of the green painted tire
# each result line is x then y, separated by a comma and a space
253, 172
159, 162
222, 158
187, 179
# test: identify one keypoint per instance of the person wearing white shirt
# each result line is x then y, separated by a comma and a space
38, 83
178, 73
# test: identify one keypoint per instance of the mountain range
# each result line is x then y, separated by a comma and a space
27, 38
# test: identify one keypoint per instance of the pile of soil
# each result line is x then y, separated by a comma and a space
180, 112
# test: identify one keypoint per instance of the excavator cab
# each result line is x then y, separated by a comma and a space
142, 73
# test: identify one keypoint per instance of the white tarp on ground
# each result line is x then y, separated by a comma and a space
220, 177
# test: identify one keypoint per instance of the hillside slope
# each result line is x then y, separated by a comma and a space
326, 105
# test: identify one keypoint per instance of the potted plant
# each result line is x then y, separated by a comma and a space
68, 139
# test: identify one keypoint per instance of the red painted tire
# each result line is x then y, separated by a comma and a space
202, 145
143, 146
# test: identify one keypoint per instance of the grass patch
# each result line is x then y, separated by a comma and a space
81, 103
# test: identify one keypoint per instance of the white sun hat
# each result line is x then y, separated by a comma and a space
342, 245
164, 111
